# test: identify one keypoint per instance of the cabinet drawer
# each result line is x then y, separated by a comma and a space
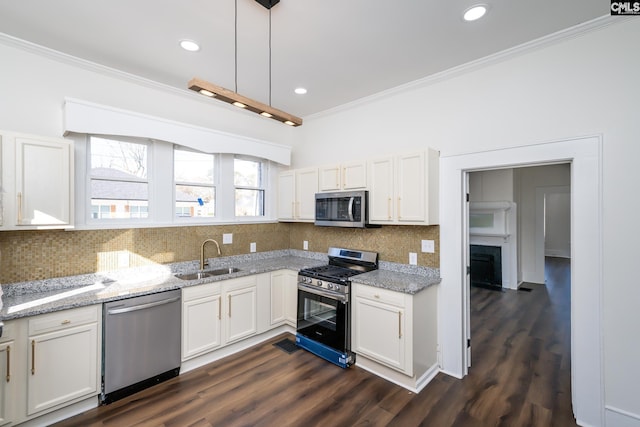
9, 331
63, 319
379, 294
201, 291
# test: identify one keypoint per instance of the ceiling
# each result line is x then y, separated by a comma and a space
340, 50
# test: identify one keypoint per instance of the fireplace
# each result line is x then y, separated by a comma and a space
493, 242
486, 266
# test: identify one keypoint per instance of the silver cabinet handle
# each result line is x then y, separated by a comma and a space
142, 306
399, 324
229, 298
219, 308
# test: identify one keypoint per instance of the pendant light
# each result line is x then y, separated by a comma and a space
233, 97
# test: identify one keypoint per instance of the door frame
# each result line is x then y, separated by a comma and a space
585, 156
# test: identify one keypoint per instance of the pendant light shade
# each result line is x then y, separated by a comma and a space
209, 89
233, 97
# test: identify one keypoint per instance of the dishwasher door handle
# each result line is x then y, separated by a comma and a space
142, 306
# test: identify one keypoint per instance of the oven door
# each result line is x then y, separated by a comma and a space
323, 317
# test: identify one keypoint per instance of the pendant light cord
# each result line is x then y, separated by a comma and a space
236, 44
269, 57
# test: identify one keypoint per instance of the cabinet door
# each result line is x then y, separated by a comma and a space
284, 297
380, 179
306, 189
7, 382
201, 325
286, 195
241, 308
411, 188
329, 177
278, 287
291, 298
379, 332
62, 367
43, 177
354, 176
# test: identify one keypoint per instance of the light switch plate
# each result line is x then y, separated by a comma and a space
252, 247
428, 246
305, 245
227, 238
413, 258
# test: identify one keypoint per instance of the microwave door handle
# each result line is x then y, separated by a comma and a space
350, 209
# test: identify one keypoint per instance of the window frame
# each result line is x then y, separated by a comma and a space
160, 178
215, 185
90, 177
264, 178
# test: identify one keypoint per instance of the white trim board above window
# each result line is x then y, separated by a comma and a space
89, 118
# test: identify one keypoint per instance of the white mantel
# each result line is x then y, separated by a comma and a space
494, 224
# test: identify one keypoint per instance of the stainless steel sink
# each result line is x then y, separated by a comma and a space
207, 273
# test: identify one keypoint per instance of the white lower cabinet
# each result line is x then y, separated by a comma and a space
64, 358
240, 297
395, 329
201, 319
9, 356
284, 297
218, 313
381, 330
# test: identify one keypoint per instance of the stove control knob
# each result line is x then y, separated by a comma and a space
330, 286
319, 283
308, 279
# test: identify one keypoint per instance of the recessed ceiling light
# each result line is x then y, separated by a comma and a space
189, 45
475, 12
300, 90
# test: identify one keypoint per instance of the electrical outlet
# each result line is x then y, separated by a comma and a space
413, 258
227, 238
305, 245
252, 247
428, 246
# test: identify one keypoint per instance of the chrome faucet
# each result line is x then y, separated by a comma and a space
202, 263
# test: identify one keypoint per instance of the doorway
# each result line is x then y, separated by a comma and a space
521, 336
584, 154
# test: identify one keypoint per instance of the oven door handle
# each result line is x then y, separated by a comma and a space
322, 293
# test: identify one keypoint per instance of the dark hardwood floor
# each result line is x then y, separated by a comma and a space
520, 377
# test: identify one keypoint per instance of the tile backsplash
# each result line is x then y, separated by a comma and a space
36, 255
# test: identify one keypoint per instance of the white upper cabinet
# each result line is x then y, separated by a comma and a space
297, 191
404, 189
37, 182
348, 176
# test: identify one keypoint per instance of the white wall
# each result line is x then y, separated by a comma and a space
582, 86
491, 186
33, 88
557, 219
534, 183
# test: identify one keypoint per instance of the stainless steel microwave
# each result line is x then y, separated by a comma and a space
343, 209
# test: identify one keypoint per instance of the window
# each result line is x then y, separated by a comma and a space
248, 178
194, 184
119, 186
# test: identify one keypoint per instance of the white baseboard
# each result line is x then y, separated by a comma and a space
615, 417
198, 361
63, 413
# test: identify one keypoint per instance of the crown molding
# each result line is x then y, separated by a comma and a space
542, 42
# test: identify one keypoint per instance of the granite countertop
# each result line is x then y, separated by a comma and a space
399, 277
44, 296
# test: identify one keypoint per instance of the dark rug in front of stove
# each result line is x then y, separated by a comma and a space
287, 346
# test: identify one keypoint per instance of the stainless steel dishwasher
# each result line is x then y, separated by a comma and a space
141, 343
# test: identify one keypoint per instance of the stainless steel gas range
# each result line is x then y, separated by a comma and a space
324, 304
